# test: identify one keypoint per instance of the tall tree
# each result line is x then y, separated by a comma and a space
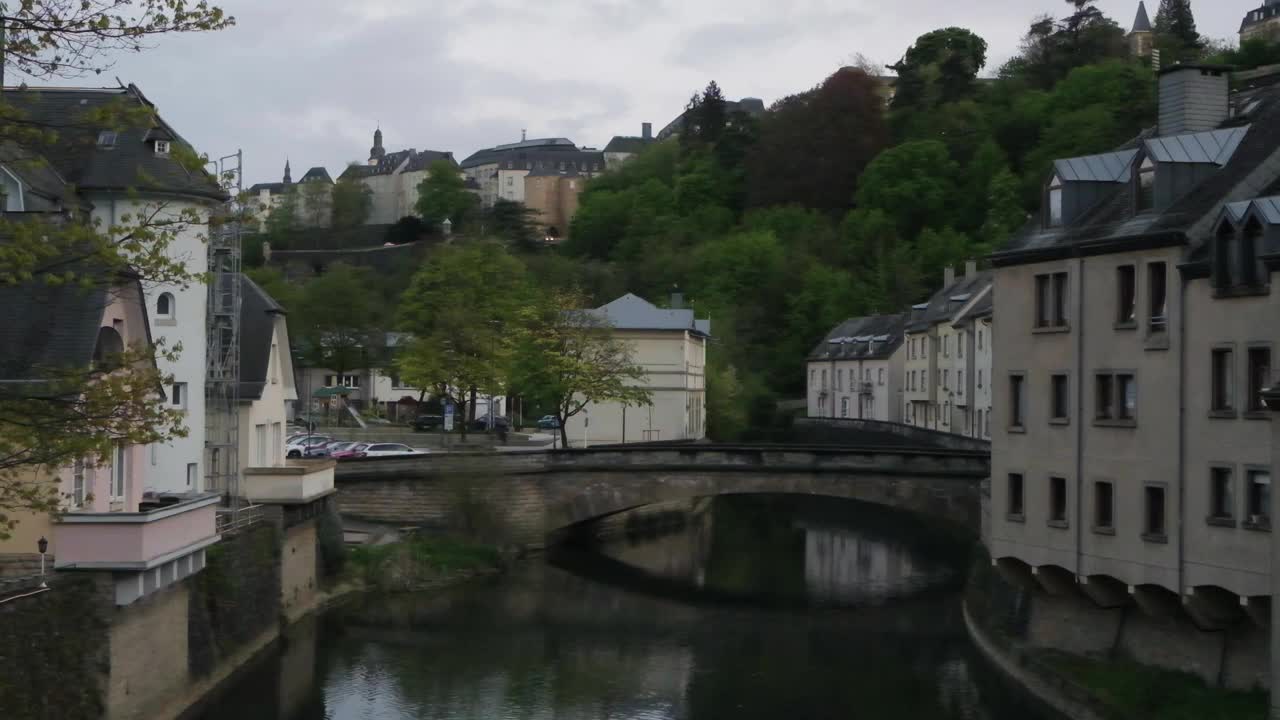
914, 184
317, 203
571, 359
1176, 34
336, 318
443, 195
813, 147
940, 67
351, 203
513, 223
704, 117
462, 309
82, 412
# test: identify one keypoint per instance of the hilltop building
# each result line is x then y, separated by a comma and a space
1262, 23
312, 196
544, 174
393, 178
622, 147
1142, 36
750, 106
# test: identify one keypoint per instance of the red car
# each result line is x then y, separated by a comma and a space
355, 451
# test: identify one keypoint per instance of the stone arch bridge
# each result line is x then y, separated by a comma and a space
526, 497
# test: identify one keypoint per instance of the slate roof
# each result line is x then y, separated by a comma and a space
258, 311
1107, 167
1142, 23
875, 337
982, 307
631, 312
317, 174
529, 149
1248, 145
1269, 10
628, 144
131, 162
274, 188
412, 159
945, 303
1214, 146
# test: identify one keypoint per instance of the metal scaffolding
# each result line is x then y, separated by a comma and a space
222, 356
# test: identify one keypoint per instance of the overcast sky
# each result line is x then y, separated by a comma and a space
310, 79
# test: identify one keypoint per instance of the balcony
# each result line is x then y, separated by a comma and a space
866, 388
146, 550
296, 483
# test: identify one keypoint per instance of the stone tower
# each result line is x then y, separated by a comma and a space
1141, 37
288, 178
376, 153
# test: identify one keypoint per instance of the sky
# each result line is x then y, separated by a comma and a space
309, 80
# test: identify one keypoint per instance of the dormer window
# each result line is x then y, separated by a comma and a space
162, 147
107, 139
1250, 241
1055, 203
1223, 250
1146, 186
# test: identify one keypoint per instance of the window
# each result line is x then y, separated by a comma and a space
1222, 251
1103, 506
946, 346
1127, 394
107, 139
960, 381
77, 483
880, 376
118, 472
178, 398
824, 380
946, 379
979, 338
1157, 298
1154, 498
1058, 501
1146, 194
260, 445
1116, 397
1259, 377
839, 377
191, 475
162, 147
1103, 401
1015, 494
986, 425
1223, 393
844, 407
1221, 506
812, 375
1055, 203
946, 413
1016, 401
1259, 486
1250, 241
1126, 294
1058, 400
979, 378
960, 345
277, 443
164, 306
1051, 300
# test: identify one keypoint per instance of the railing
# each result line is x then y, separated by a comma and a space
230, 522
866, 388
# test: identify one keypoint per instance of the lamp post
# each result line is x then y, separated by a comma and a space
43, 545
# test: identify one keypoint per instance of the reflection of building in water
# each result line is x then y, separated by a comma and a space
846, 565
957, 691
674, 552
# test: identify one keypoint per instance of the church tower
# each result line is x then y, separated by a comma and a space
288, 178
1141, 37
376, 153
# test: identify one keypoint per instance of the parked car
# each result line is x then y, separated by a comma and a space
423, 423
482, 423
548, 422
389, 450
326, 450
354, 450
298, 446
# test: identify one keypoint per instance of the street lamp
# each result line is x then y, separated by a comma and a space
43, 545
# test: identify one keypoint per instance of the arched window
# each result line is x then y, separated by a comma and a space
1146, 188
1054, 218
107, 350
164, 305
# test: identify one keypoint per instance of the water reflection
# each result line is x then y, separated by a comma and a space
663, 619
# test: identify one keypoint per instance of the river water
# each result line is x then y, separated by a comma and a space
733, 608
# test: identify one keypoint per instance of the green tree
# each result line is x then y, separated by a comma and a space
940, 67
704, 117
337, 320
913, 183
443, 195
351, 203
513, 223
282, 220
317, 203
1176, 35
1005, 213
70, 411
571, 359
462, 309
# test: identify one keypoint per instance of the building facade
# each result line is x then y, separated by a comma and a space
1132, 452
856, 371
393, 179
1262, 23
1142, 37
670, 345
622, 148
500, 171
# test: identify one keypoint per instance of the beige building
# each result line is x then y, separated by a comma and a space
393, 179
554, 196
1262, 23
311, 197
1131, 449
671, 346
1142, 36
856, 371
499, 172
940, 370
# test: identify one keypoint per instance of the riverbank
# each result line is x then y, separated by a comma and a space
1107, 686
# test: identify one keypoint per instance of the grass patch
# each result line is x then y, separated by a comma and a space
1139, 692
419, 560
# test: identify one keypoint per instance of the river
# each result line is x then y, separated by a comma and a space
733, 608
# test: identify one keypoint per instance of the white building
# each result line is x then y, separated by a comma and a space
393, 178
266, 378
124, 173
856, 371
671, 346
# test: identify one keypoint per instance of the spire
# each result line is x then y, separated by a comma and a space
287, 178
376, 153
1142, 23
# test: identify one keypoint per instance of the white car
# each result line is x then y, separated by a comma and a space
390, 450
297, 447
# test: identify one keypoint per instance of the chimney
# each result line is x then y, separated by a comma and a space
677, 298
1193, 98
646, 131
948, 276
970, 268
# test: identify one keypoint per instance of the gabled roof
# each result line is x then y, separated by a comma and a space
627, 144
874, 337
980, 306
258, 311
631, 312
1142, 23
411, 159
129, 163
317, 174
1214, 146
1107, 167
945, 303
274, 188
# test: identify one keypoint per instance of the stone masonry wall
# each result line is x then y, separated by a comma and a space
148, 654
236, 597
